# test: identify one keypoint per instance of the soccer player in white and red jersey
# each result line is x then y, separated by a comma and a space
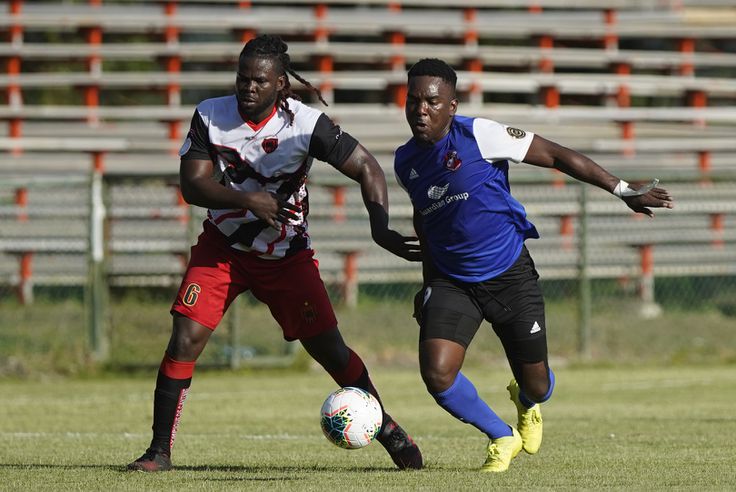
246, 159
476, 266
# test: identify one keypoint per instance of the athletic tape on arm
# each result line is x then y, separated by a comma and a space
622, 189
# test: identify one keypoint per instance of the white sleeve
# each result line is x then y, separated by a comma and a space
497, 141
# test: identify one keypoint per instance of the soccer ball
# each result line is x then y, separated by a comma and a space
351, 418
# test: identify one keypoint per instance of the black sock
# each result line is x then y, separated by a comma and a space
167, 402
356, 374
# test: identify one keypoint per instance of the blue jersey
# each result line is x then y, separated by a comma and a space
474, 228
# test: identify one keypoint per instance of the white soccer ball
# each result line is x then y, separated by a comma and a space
351, 418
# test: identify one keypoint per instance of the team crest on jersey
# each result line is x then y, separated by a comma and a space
270, 144
515, 132
452, 161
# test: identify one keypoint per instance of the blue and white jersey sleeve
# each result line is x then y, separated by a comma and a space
498, 142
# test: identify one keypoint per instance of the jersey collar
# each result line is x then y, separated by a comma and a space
257, 126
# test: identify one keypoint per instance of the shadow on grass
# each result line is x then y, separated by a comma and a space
207, 468
49, 466
284, 469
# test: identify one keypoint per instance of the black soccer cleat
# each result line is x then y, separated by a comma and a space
153, 460
402, 448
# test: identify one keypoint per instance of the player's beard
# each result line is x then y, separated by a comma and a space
255, 111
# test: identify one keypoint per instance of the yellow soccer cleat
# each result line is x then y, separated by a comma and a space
501, 451
529, 420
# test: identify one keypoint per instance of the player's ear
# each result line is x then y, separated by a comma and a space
453, 106
280, 82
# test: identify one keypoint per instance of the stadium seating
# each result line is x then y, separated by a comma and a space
646, 88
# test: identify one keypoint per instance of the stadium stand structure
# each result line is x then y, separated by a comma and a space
644, 87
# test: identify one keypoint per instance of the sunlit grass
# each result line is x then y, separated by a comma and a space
620, 428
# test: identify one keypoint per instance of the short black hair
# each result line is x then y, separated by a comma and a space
434, 67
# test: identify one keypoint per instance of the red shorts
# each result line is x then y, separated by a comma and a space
291, 287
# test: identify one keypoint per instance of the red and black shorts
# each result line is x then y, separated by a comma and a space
291, 286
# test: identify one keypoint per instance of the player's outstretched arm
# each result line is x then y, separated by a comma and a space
362, 167
198, 188
639, 198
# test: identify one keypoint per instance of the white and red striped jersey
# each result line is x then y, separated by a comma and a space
274, 155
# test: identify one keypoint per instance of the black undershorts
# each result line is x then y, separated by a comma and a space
511, 302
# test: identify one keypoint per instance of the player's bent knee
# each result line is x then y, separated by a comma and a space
437, 380
540, 390
537, 391
440, 361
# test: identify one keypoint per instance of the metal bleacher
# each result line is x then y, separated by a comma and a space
645, 88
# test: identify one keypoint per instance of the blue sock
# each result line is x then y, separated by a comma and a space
461, 400
528, 403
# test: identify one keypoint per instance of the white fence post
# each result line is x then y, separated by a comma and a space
97, 286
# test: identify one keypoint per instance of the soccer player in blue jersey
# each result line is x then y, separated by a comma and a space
475, 264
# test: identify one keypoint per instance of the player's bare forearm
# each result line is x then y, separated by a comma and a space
362, 167
209, 194
638, 198
198, 188
545, 153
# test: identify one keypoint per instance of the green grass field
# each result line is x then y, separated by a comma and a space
617, 428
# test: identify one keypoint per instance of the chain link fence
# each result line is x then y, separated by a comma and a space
44, 224
617, 287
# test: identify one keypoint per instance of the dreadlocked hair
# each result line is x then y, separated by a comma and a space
434, 67
273, 47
